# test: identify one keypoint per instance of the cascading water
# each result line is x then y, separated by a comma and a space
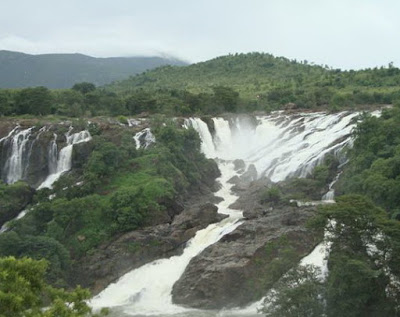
144, 138
15, 165
147, 290
58, 163
330, 195
278, 146
53, 155
64, 157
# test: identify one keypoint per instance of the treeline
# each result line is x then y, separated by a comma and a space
265, 82
84, 99
234, 83
374, 166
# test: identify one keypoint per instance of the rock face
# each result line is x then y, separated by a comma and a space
233, 271
139, 247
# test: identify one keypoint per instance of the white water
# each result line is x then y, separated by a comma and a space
279, 146
14, 167
330, 195
63, 162
144, 138
147, 290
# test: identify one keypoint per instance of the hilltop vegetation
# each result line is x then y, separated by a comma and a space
234, 83
18, 70
265, 82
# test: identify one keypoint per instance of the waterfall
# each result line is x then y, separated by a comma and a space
53, 155
63, 163
144, 138
147, 290
279, 146
15, 165
330, 195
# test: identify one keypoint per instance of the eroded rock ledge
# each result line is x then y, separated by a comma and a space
233, 272
139, 247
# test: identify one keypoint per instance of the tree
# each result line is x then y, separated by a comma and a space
84, 87
299, 293
23, 290
226, 97
36, 101
5, 100
363, 262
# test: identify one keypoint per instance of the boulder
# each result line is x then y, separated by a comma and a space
233, 271
136, 248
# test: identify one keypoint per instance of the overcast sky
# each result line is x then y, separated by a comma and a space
341, 33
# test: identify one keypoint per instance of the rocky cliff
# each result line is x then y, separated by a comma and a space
238, 269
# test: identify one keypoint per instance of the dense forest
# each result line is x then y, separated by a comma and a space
124, 188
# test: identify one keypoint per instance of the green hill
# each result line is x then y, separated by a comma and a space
275, 80
246, 73
18, 70
233, 83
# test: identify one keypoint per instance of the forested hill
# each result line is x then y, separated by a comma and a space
271, 82
248, 74
18, 70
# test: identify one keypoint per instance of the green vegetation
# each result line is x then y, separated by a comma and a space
365, 239
123, 189
374, 167
13, 198
363, 266
298, 293
305, 189
24, 293
265, 82
233, 83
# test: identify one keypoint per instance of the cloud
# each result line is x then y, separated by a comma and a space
341, 33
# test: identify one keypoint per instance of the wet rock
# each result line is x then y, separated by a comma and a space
250, 175
239, 165
233, 271
136, 248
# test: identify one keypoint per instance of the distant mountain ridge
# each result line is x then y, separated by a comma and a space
18, 70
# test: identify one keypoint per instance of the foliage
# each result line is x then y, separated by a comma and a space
23, 291
120, 189
299, 293
84, 87
361, 268
265, 82
233, 83
374, 168
36, 101
273, 195
13, 198
38, 247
